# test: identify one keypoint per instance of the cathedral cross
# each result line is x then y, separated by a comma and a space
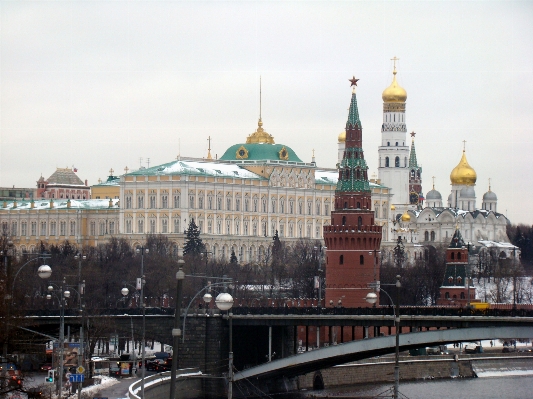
464, 145
394, 60
111, 172
126, 169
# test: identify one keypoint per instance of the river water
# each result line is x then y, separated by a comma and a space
504, 387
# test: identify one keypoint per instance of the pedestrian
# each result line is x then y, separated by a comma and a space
491, 343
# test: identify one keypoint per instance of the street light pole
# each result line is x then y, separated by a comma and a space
176, 332
81, 288
142, 250
224, 301
371, 297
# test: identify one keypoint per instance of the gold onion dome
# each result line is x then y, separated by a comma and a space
406, 217
342, 137
392, 208
260, 136
394, 93
463, 173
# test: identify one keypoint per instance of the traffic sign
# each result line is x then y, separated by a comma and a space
76, 378
80, 369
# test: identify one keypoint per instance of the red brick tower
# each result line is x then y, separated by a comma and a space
352, 238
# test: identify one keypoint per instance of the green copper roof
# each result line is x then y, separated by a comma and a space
260, 152
413, 164
353, 115
353, 172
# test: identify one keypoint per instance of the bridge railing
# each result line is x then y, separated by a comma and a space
302, 311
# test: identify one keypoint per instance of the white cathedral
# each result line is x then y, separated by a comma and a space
419, 220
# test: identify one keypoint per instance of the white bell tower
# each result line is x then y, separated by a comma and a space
393, 169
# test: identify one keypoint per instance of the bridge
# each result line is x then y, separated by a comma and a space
356, 350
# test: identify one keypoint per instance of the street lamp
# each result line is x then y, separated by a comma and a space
176, 332
224, 301
81, 289
142, 250
64, 294
372, 297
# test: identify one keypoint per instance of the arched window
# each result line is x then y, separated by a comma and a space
358, 205
386, 162
361, 260
458, 255
432, 236
388, 143
344, 220
397, 162
341, 259
359, 222
462, 295
447, 295
345, 204
426, 236
453, 255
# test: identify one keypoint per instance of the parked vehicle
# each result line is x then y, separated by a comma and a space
46, 367
165, 366
153, 364
473, 348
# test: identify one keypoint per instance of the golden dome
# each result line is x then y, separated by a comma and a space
392, 208
260, 136
394, 93
463, 173
406, 217
342, 137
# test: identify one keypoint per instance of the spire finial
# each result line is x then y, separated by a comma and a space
111, 172
489, 183
260, 95
209, 148
464, 145
433, 177
413, 134
394, 60
126, 170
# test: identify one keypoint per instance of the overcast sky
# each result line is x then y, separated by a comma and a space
100, 84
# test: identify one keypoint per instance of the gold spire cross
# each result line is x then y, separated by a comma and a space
209, 148
111, 172
126, 169
394, 60
464, 145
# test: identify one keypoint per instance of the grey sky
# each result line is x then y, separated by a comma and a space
99, 84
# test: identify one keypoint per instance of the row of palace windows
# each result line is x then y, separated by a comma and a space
226, 227
254, 205
429, 236
61, 228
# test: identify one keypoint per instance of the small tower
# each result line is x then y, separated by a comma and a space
457, 288
416, 197
490, 201
433, 197
353, 239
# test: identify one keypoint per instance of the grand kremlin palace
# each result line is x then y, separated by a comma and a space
254, 189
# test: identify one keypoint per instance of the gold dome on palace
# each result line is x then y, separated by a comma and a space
406, 217
342, 137
463, 173
394, 93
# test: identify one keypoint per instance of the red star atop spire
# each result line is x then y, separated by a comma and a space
354, 81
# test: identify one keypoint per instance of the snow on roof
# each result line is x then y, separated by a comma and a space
332, 177
491, 244
198, 168
61, 204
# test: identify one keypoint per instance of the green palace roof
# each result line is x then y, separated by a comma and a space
260, 152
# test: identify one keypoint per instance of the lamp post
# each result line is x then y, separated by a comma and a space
142, 250
318, 286
372, 297
81, 291
224, 301
64, 294
176, 332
